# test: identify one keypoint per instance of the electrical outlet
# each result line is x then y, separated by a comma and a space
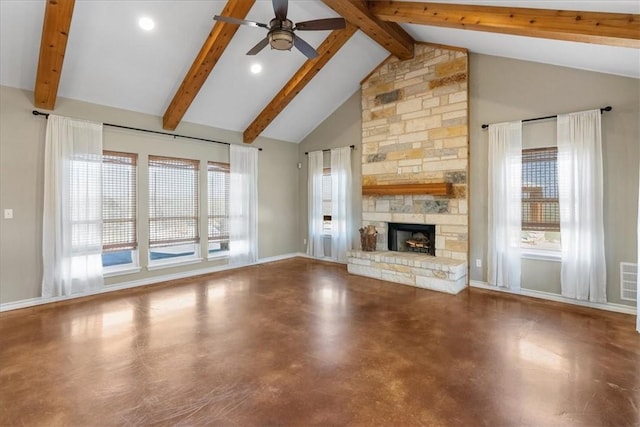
304, 241
8, 214
478, 263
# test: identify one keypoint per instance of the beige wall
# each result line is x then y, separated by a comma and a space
342, 128
500, 90
21, 184
505, 89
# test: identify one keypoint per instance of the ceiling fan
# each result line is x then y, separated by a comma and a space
281, 30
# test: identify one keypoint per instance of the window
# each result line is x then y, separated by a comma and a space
540, 207
326, 201
83, 206
119, 232
173, 209
218, 209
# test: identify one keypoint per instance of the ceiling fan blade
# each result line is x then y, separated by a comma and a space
321, 24
237, 21
261, 45
280, 8
304, 47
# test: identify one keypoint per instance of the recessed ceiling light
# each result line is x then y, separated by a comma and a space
256, 68
146, 23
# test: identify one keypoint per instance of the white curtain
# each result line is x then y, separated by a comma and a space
341, 222
72, 217
583, 274
505, 209
243, 205
315, 241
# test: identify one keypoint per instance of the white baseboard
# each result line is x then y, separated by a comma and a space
327, 259
31, 302
609, 306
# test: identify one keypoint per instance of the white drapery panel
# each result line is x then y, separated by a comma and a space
315, 241
583, 274
243, 205
72, 216
341, 221
505, 208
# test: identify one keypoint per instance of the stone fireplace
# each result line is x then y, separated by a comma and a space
414, 168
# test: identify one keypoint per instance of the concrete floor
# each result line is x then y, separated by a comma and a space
301, 342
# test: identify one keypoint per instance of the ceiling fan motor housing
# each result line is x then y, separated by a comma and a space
281, 34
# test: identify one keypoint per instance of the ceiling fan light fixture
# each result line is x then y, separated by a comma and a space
281, 39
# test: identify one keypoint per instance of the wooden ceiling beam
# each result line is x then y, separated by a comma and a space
615, 29
389, 35
55, 33
211, 51
309, 69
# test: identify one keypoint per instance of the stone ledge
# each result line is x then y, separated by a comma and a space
419, 270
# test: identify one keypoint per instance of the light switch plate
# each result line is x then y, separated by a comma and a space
8, 214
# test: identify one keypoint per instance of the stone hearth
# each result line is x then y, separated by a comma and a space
423, 271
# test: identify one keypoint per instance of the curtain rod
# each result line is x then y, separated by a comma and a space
602, 110
353, 147
174, 135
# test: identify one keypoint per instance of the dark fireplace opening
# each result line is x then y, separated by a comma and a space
419, 238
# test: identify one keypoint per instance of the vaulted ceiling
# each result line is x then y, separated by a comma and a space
190, 68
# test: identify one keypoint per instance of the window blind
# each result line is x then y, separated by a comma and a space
119, 201
218, 201
173, 201
540, 207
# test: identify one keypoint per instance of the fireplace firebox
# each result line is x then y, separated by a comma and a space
419, 238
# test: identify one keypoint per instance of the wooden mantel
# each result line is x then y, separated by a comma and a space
433, 189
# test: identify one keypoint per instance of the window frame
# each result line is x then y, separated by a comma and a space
221, 253
547, 254
191, 244
132, 246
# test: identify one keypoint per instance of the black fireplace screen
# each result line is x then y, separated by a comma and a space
412, 238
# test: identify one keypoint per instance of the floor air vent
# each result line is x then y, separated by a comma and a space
628, 281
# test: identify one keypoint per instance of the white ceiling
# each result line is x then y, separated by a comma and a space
110, 61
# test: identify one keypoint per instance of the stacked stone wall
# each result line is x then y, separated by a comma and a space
415, 131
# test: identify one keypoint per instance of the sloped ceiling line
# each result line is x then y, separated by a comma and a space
389, 35
606, 29
211, 51
55, 33
300, 79
614, 29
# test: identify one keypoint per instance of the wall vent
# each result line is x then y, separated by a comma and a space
628, 281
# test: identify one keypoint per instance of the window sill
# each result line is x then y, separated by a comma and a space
218, 256
173, 263
127, 269
542, 255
